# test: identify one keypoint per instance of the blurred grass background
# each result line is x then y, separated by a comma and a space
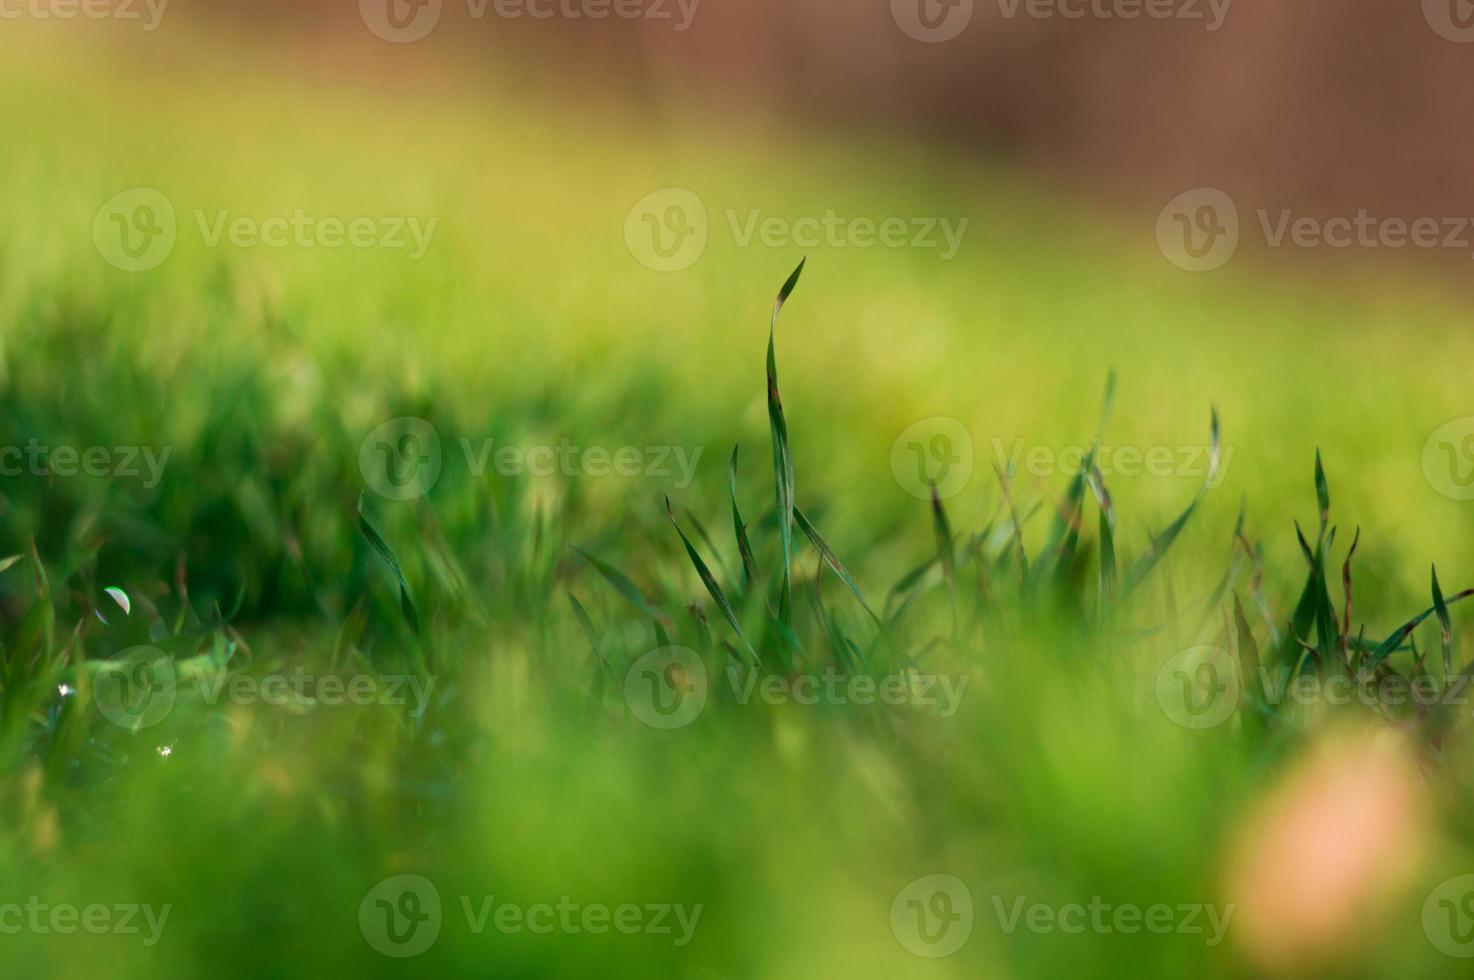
529, 320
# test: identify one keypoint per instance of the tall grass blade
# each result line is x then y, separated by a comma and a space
713, 588
377, 542
782, 456
622, 585
744, 547
834, 563
1445, 628
1161, 543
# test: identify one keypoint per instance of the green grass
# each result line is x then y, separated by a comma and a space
519, 604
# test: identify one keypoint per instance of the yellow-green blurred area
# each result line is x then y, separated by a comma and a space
528, 292
531, 318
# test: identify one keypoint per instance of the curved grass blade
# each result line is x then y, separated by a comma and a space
1327, 636
782, 455
1063, 540
1445, 628
839, 644
744, 547
1161, 543
713, 588
622, 585
588, 630
705, 538
946, 556
1305, 549
1393, 642
406, 603
1248, 650
903, 589
703, 628
832, 559
1005, 480
1064, 531
1322, 493
942, 530
1346, 591
1107, 536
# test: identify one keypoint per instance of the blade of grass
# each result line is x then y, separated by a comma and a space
782, 456
744, 547
1390, 645
1347, 592
593, 635
1248, 650
1322, 492
1161, 543
1445, 628
371, 534
1107, 537
945, 555
622, 585
1005, 480
713, 588
833, 561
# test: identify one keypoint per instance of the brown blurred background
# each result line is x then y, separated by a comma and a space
1322, 107
1317, 104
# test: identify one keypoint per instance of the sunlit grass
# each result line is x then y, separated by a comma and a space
529, 321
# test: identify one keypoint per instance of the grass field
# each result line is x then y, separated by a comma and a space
504, 745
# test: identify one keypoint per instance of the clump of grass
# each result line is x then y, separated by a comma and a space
985, 579
775, 606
